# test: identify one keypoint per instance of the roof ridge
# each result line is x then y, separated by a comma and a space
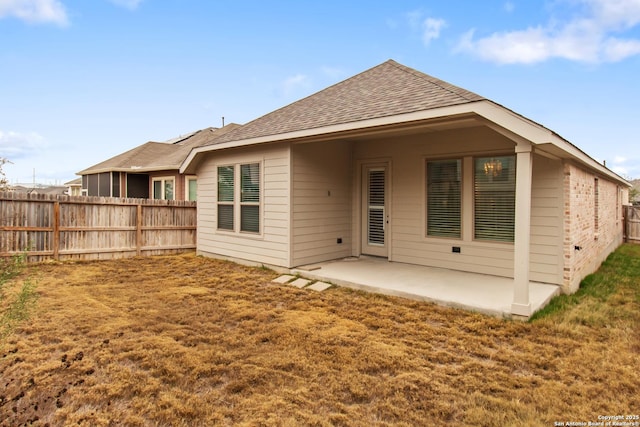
436, 81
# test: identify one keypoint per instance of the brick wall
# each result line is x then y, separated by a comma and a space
593, 223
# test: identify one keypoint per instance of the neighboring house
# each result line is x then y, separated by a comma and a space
39, 189
149, 170
74, 187
398, 164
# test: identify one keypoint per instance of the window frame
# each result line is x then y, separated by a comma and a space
230, 203
238, 203
163, 187
510, 181
187, 180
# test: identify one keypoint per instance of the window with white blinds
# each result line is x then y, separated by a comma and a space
250, 197
226, 192
239, 204
444, 197
494, 198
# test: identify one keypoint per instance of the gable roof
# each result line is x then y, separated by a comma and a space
388, 96
386, 90
156, 156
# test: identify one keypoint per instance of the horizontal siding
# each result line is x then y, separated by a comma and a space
321, 202
272, 247
546, 221
407, 239
408, 242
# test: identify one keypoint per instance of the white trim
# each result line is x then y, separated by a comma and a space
237, 200
513, 125
163, 180
188, 178
522, 238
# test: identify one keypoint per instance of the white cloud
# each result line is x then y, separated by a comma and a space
293, 83
333, 72
431, 28
619, 159
588, 37
625, 166
129, 4
35, 11
15, 145
509, 6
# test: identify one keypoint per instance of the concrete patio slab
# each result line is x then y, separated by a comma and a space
478, 292
320, 286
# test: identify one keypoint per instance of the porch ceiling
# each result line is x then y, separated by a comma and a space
491, 295
401, 129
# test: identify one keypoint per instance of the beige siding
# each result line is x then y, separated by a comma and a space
408, 235
321, 202
546, 221
272, 245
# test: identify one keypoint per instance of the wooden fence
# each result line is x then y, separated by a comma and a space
65, 227
632, 224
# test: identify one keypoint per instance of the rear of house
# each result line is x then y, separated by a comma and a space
397, 164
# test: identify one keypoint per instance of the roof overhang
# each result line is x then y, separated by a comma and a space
132, 169
504, 121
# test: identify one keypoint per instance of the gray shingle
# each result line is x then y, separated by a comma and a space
385, 90
160, 155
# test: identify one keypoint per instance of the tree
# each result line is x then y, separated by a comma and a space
634, 194
4, 182
16, 302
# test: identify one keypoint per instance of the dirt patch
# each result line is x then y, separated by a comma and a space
184, 340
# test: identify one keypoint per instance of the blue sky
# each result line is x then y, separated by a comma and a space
82, 81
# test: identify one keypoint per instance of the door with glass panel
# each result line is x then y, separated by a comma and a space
375, 212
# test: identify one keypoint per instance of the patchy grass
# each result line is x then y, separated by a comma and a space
184, 340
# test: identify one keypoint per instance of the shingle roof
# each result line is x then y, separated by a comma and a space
159, 155
386, 90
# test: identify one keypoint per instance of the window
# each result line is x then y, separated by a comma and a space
596, 205
250, 198
115, 184
444, 188
226, 178
239, 204
191, 188
494, 198
163, 188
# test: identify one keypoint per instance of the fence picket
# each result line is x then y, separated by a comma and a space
74, 227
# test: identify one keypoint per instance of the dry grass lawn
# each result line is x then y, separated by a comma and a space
185, 340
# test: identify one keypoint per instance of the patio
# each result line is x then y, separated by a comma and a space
491, 295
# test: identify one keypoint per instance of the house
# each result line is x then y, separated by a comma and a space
74, 187
397, 164
149, 170
39, 189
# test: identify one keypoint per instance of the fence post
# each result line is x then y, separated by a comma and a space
139, 229
56, 230
627, 219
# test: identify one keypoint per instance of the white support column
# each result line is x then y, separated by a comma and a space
521, 305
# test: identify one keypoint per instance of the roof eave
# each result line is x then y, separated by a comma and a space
500, 118
325, 131
132, 169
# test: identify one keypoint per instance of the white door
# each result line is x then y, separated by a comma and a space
375, 212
